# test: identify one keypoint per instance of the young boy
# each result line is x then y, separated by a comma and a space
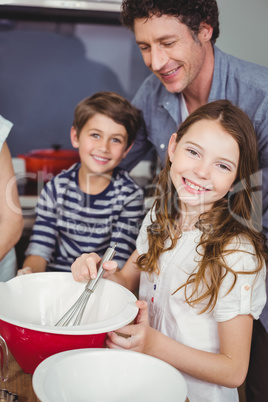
93, 204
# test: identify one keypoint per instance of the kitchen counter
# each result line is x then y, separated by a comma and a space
19, 383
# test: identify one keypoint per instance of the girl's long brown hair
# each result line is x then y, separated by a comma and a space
237, 214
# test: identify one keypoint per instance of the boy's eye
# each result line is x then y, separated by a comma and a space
117, 140
95, 135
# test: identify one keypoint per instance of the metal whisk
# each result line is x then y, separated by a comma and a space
74, 315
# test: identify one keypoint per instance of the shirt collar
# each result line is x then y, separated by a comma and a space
219, 79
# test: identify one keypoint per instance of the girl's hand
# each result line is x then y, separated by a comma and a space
85, 267
140, 334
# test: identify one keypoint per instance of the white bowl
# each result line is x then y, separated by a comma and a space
107, 375
37, 301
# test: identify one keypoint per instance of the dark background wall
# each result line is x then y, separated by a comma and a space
46, 68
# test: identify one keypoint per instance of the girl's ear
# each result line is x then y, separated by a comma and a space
74, 138
172, 146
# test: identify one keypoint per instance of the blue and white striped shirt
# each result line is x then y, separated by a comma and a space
70, 222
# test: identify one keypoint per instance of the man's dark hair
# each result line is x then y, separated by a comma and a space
189, 12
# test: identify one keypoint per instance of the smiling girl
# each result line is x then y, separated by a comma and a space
200, 258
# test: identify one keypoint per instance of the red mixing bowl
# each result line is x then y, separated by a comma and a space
30, 306
32, 347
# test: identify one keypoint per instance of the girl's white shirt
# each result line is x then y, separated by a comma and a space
171, 315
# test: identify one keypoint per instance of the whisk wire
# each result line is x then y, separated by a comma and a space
75, 313
69, 315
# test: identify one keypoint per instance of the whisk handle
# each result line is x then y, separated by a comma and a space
108, 255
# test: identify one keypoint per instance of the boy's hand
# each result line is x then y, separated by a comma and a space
24, 271
85, 267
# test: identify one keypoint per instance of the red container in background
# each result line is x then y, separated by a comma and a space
43, 164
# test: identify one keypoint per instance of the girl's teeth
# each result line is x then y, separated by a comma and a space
194, 186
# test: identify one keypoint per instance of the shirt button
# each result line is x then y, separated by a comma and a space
246, 287
162, 146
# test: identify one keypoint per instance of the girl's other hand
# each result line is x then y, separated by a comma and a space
138, 337
85, 267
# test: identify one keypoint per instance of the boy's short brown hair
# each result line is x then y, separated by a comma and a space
112, 105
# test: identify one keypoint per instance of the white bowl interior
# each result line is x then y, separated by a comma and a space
37, 301
107, 375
